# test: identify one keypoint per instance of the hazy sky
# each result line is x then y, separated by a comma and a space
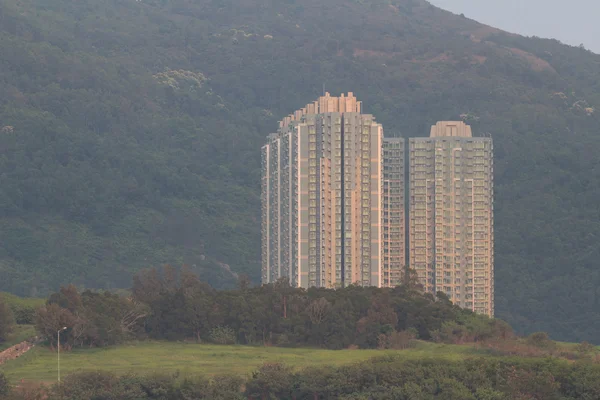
570, 21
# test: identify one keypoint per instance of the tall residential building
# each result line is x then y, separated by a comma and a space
451, 233
394, 246
330, 210
333, 204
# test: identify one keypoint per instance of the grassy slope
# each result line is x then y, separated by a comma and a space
20, 334
147, 357
12, 299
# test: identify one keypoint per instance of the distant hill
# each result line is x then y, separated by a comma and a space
130, 135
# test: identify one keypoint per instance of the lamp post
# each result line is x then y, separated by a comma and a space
58, 353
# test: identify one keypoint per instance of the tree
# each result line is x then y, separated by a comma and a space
318, 310
271, 381
244, 282
226, 387
582, 382
450, 389
524, 384
541, 340
312, 383
339, 329
198, 302
68, 297
6, 320
147, 285
381, 320
584, 348
52, 318
283, 287
194, 388
222, 335
4, 385
489, 394
410, 279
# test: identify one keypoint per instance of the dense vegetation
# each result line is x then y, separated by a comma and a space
7, 321
381, 379
129, 135
178, 306
23, 309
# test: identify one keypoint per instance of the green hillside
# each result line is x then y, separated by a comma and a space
130, 135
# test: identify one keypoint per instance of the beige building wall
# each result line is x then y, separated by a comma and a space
265, 214
333, 204
394, 228
451, 214
322, 187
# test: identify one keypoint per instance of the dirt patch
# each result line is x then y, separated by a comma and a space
536, 63
478, 59
444, 57
16, 351
440, 58
480, 34
372, 53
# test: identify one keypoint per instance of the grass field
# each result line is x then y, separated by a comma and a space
22, 301
193, 359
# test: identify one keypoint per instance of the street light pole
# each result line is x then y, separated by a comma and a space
58, 353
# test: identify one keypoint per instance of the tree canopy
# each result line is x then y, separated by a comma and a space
173, 304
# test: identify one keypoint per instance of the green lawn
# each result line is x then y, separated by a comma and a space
11, 299
190, 359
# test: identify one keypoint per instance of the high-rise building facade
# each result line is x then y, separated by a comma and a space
334, 204
394, 246
451, 232
323, 199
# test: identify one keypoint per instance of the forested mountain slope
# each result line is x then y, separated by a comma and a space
130, 135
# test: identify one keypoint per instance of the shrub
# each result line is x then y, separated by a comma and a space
4, 385
584, 348
24, 314
397, 340
222, 335
541, 340
6, 321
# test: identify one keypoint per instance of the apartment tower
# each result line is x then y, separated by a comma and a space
451, 233
330, 210
333, 204
393, 225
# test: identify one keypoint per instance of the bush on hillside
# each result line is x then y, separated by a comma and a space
24, 314
4, 385
541, 340
23, 308
6, 321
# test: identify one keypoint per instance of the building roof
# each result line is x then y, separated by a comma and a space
450, 128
